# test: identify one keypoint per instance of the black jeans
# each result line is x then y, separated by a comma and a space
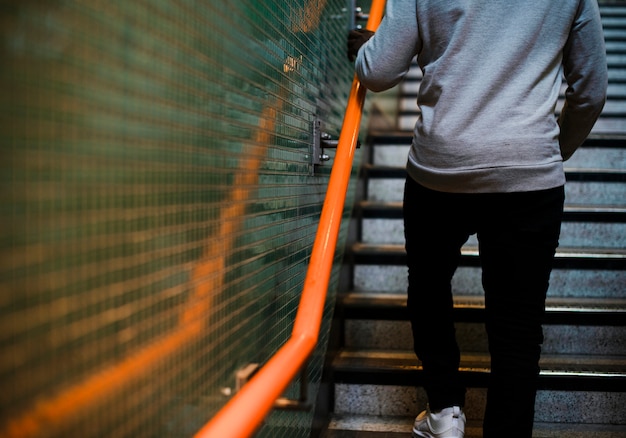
518, 235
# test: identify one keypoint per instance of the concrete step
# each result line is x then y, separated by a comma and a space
612, 8
388, 383
573, 234
371, 426
391, 277
387, 185
584, 158
565, 258
615, 34
471, 337
565, 283
470, 308
393, 150
572, 213
558, 372
572, 326
578, 273
614, 47
602, 227
405, 137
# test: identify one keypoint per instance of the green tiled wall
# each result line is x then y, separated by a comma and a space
157, 206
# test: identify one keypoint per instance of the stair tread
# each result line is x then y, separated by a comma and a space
565, 258
345, 425
558, 372
478, 362
572, 212
470, 308
383, 299
472, 250
383, 138
397, 205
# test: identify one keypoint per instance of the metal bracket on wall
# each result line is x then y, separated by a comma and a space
302, 403
243, 375
321, 140
357, 15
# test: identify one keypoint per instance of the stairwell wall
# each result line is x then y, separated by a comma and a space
158, 205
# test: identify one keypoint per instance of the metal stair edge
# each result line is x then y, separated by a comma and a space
563, 311
384, 138
565, 258
395, 367
572, 213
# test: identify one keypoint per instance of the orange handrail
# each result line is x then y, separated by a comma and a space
243, 414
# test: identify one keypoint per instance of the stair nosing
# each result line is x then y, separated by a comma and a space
406, 137
400, 367
470, 308
472, 251
604, 259
572, 212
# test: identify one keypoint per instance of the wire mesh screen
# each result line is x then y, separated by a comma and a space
157, 205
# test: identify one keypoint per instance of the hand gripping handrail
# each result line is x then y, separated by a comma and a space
244, 413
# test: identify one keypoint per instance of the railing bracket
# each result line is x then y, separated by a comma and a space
321, 140
357, 15
243, 375
317, 155
302, 403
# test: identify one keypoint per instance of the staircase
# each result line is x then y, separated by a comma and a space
374, 372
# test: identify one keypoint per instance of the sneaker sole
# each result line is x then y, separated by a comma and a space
416, 434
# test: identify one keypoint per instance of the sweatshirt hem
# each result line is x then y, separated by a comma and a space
490, 180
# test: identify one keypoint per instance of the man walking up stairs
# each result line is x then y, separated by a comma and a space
583, 378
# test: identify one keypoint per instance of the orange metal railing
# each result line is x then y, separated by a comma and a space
243, 414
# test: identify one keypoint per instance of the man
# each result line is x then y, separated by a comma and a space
486, 158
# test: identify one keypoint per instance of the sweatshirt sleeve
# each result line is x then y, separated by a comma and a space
585, 70
385, 59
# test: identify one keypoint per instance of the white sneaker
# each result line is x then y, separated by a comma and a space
447, 423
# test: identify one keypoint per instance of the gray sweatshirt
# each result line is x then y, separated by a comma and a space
492, 71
